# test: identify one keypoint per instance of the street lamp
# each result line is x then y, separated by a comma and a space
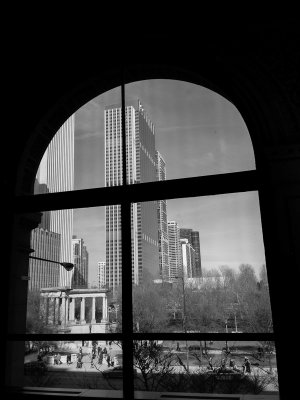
68, 266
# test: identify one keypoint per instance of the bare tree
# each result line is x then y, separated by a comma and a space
154, 365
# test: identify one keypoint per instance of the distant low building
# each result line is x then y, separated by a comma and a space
207, 281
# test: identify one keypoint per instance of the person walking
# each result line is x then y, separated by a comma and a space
58, 359
100, 358
79, 362
108, 360
247, 366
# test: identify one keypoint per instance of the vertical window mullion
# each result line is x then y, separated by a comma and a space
127, 319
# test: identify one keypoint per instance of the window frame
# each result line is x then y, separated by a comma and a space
124, 196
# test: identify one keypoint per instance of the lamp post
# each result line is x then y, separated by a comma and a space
68, 267
184, 320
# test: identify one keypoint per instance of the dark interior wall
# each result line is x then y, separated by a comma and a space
255, 66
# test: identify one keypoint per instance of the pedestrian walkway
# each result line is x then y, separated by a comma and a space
112, 350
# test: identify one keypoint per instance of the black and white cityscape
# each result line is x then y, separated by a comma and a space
198, 264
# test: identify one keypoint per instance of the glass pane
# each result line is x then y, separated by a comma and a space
205, 366
70, 271
81, 152
199, 265
75, 365
185, 130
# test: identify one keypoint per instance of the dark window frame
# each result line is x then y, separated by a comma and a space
125, 195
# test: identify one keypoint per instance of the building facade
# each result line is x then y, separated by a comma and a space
188, 258
43, 274
194, 239
101, 274
56, 174
141, 167
81, 263
163, 239
175, 256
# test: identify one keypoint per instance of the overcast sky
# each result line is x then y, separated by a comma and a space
198, 132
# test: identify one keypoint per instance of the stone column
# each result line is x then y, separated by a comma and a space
47, 311
104, 309
82, 311
44, 309
51, 317
63, 309
57, 313
67, 309
72, 310
93, 321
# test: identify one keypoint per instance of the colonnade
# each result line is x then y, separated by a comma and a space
59, 305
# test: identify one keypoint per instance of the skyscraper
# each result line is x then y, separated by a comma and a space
193, 238
188, 258
80, 260
141, 167
163, 240
46, 245
101, 274
56, 174
175, 256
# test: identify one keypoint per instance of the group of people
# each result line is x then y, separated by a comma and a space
101, 354
246, 366
96, 353
57, 359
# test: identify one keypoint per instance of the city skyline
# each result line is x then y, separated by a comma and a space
213, 130
211, 137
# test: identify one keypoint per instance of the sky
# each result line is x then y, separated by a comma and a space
198, 132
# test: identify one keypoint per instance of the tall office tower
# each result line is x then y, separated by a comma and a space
101, 274
56, 174
80, 261
175, 256
141, 167
43, 273
188, 258
196, 247
163, 240
194, 240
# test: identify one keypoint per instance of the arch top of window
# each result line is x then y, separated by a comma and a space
174, 129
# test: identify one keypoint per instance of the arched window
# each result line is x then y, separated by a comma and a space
154, 250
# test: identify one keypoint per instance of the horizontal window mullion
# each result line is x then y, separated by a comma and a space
175, 188
205, 336
144, 336
63, 336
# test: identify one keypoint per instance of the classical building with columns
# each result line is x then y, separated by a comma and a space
58, 306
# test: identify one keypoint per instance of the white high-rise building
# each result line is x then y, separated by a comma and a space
175, 256
101, 274
188, 258
164, 265
141, 167
81, 263
56, 174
